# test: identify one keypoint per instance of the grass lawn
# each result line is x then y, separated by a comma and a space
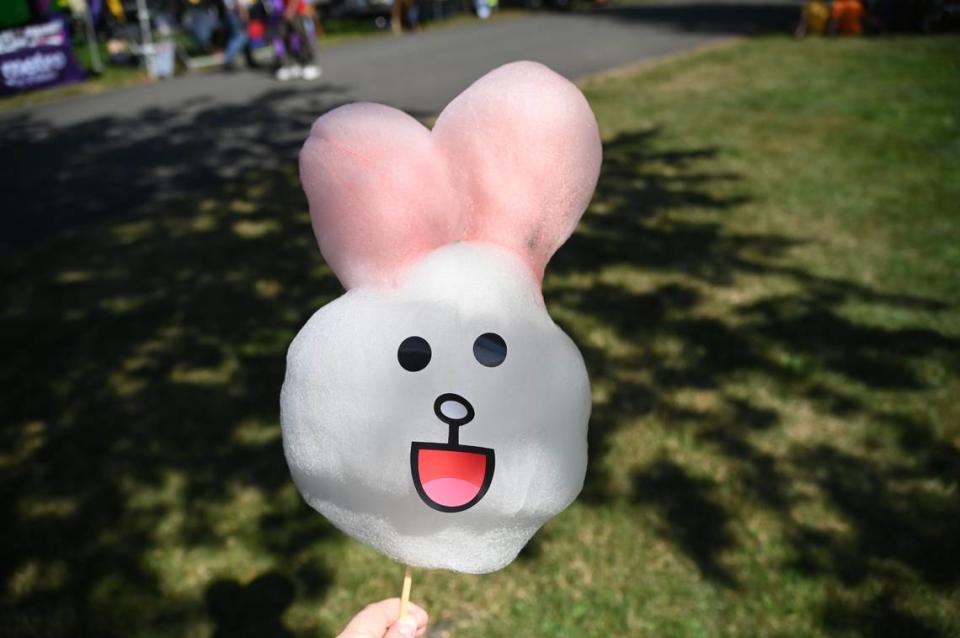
765, 290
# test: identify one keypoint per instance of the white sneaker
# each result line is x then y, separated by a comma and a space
296, 71
283, 74
311, 72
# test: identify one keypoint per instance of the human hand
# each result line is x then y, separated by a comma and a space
382, 620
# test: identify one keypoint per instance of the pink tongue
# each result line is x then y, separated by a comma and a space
450, 492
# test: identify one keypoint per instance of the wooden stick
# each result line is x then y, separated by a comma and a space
405, 596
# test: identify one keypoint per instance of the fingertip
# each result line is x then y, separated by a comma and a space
405, 627
419, 613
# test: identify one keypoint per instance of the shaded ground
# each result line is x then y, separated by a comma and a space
764, 291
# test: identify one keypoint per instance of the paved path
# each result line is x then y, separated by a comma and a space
124, 151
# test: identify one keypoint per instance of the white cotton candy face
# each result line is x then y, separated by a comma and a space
451, 459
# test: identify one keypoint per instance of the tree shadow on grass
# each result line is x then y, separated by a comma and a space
62, 177
881, 617
255, 609
145, 352
691, 516
656, 240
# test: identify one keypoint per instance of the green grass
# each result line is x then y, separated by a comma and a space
765, 290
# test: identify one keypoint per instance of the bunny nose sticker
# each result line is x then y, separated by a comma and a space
453, 410
450, 477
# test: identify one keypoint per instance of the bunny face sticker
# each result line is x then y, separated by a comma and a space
435, 411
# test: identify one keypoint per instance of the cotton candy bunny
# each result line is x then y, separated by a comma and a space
435, 411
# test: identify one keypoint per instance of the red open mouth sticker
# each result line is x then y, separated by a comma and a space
451, 477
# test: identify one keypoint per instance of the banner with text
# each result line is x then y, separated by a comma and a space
36, 56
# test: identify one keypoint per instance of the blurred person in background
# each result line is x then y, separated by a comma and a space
316, 19
293, 40
200, 17
814, 19
412, 11
235, 18
257, 18
847, 17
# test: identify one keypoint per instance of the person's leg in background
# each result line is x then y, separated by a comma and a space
281, 51
236, 40
306, 51
202, 23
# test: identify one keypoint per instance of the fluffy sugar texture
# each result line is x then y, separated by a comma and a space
443, 235
513, 160
350, 412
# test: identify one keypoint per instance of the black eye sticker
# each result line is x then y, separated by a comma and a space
490, 349
414, 354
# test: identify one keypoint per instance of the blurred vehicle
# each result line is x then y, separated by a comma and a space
941, 15
556, 5
359, 8
925, 16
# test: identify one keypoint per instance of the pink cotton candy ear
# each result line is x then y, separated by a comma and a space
379, 193
513, 160
524, 154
